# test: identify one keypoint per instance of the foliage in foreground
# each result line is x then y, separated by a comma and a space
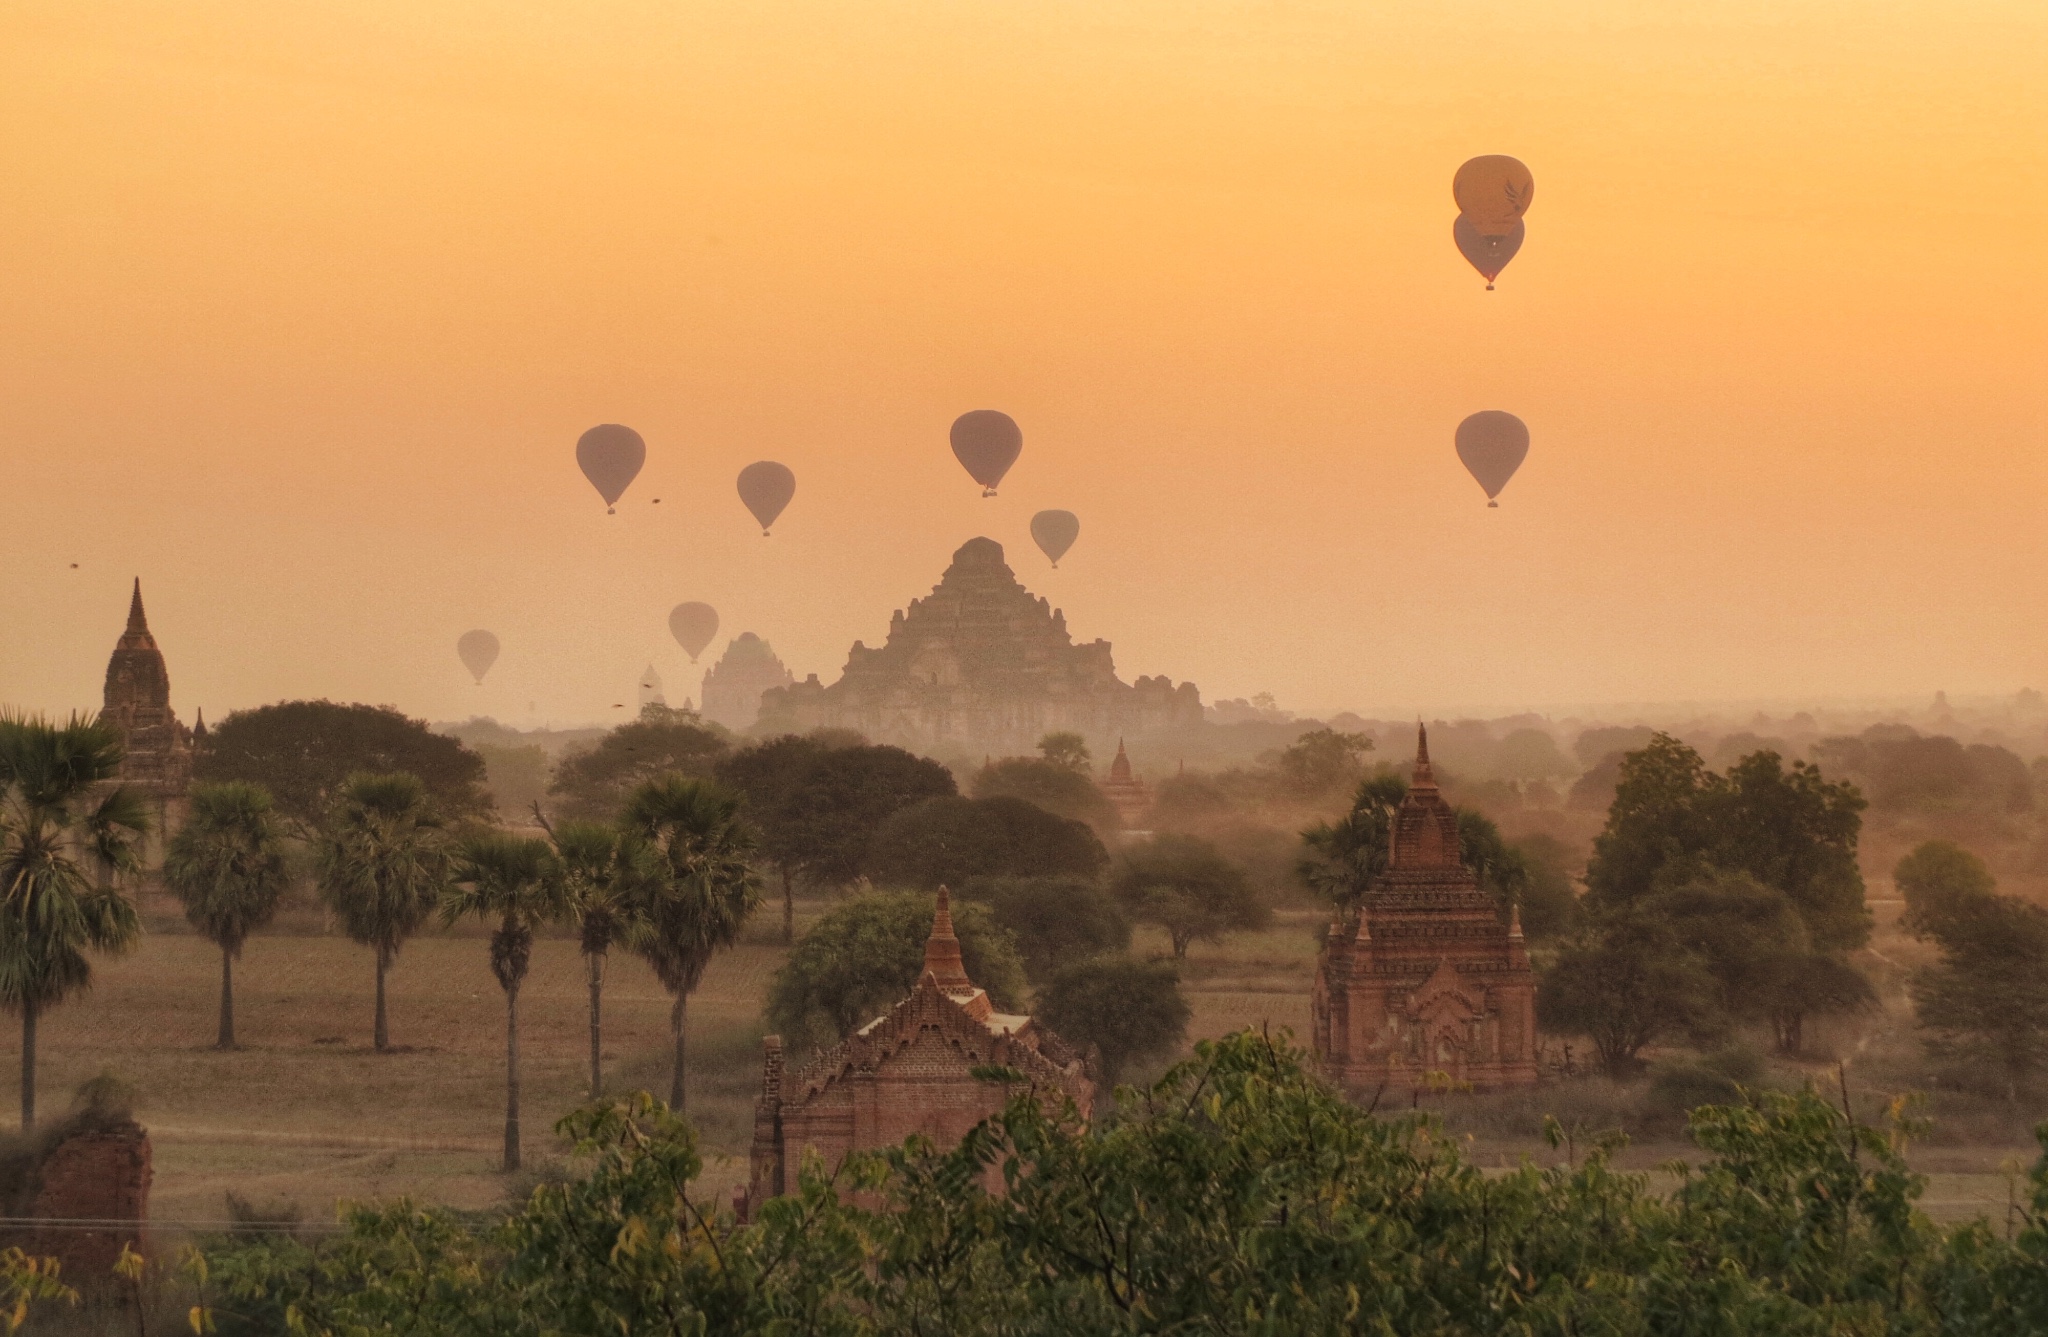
1238, 1195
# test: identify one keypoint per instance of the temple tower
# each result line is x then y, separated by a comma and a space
1427, 979
1124, 790
137, 701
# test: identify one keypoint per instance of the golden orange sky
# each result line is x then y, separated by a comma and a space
303, 306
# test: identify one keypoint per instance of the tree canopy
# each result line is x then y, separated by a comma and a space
592, 785
1061, 790
304, 751
1186, 887
946, 841
827, 817
1127, 1011
1053, 920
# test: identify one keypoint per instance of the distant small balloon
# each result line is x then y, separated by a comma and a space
1488, 255
766, 488
1493, 445
1493, 191
478, 651
693, 625
1055, 532
610, 457
987, 443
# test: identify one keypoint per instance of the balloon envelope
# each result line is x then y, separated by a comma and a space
693, 625
766, 488
1055, 532
1493, 445
479, 650
610, 457
1493, 191
1488, 255
987, 443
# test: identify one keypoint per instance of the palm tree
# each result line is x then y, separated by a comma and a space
56, 808
601, 873
227, 865
383, 863
510, 879
705, 891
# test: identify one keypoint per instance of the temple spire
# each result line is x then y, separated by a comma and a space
1424, 777
136, 621
942, 950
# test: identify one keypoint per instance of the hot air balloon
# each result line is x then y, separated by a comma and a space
478, 651
987, 443
766, 488
1493, 445
1055, 532
610, 457
1488, 255
693, 625
1494, 192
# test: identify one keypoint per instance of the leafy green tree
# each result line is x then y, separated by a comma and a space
303, 752
1626, 983
58, 813
605, 875
1183, 885
1755, 943
1342, 859
383, 862
865, 956
1128, 1011
1060, 790
946, 841
703, 896
1791, 829
1985, 1003
592, 785
226, 866
512, 880
1550, 906
1066, 750
1528, 756
829, 820
1053, 920
1940, 880
1324, 761
770, 774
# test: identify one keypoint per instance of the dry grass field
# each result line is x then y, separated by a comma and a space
307, 1113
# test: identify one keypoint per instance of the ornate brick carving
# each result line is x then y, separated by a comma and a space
1426, 979
907, 1071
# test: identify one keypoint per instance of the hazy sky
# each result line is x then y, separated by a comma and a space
303, 306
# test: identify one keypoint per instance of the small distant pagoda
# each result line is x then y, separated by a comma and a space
1124, 790
1426, 979
910, 1070
158, 749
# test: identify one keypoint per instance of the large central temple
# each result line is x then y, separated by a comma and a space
1426, 980
981, 665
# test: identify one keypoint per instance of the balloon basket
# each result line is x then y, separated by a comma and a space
611, 510
1492, 505
988, 492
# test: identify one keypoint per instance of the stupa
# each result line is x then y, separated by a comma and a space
981, 665
137, 701
1124, 790
1426, 980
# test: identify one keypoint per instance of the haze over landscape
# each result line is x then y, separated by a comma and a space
308, 306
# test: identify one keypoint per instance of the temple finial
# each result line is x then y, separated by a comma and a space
136, 621
1423, 774
942, 950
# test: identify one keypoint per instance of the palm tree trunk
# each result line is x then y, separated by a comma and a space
512, 1078
678, 1018
595, 963
788, 911
382, 1034
28, 1066
227, 1001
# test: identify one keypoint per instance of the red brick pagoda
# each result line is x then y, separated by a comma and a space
1426, 979
907, 1071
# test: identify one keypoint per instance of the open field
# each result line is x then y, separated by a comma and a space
307, 1113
